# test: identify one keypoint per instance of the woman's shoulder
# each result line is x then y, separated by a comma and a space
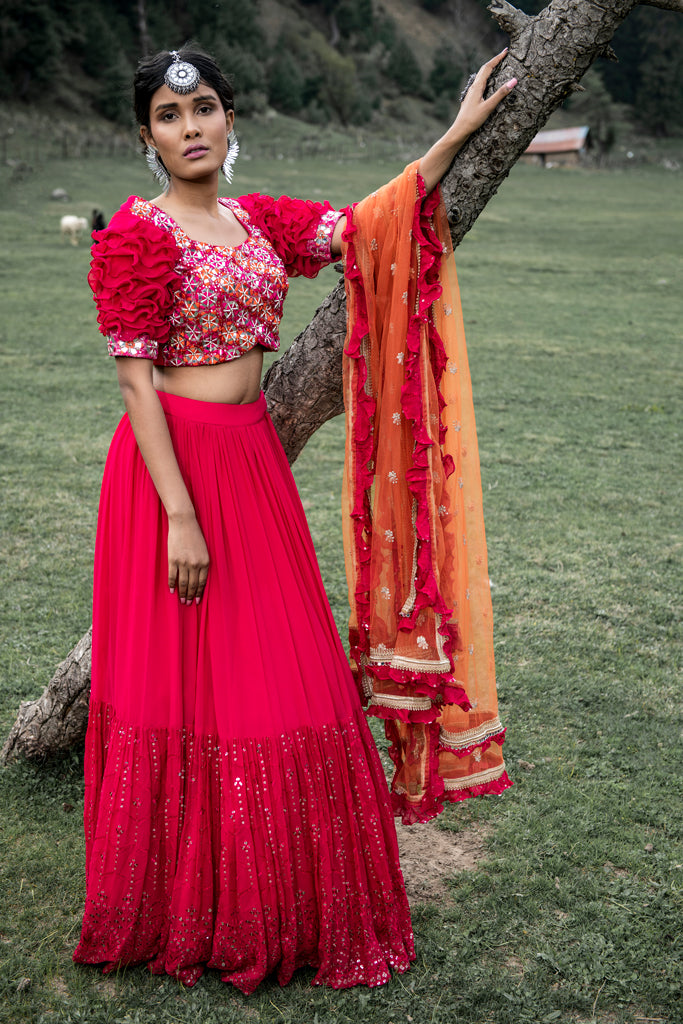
136, 212
241, 207
138, 219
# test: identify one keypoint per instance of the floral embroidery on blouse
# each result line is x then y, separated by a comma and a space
217, 302
229, 298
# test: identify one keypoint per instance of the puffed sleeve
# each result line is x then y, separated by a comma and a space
299, 230
133, 275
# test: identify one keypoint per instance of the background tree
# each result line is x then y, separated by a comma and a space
403, 69
53, 41
445, 80
596, 108
659, 97
31, 48
285, 81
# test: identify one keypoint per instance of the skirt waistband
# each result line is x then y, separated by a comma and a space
226, 414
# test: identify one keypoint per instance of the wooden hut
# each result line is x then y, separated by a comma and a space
559, 146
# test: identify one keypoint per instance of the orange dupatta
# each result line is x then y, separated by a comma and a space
421, 624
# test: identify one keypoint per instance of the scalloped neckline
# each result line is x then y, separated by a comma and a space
175, 226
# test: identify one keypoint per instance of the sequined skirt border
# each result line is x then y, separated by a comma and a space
248, 857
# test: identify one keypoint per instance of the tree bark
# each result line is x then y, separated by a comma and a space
57, 720
548, 54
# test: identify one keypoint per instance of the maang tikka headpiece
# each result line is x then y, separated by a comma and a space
181, 76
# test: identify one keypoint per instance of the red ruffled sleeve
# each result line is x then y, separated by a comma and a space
299, 230
133, 275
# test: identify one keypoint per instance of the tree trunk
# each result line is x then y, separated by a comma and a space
145, 43
548, 54
57, 720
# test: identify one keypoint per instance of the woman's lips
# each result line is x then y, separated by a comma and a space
194, 154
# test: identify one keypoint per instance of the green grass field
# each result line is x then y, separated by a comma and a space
571, 284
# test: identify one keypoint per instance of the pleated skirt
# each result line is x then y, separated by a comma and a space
236, 812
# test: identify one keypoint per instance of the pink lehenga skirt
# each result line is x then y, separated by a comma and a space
236, 812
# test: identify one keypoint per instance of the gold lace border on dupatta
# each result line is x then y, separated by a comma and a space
388, 700
471, 737
478, 779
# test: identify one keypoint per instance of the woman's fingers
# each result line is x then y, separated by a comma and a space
494, 61
493, 101
191, 583
183, 580
201, 584
188, 560
474, 107
486, 70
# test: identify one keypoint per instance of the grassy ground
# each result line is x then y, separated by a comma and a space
571, 287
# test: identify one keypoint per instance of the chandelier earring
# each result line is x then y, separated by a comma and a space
233, 153
156, 167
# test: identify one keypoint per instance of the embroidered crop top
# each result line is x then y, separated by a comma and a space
163, 296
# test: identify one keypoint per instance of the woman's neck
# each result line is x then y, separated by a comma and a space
193, 198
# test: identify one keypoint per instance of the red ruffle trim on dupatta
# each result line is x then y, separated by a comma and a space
420, 600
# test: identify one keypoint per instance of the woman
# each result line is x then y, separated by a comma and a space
236, 810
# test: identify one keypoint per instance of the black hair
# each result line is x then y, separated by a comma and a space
150, 72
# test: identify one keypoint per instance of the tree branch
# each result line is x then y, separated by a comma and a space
549, 54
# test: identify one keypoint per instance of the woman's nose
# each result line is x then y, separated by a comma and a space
191, 128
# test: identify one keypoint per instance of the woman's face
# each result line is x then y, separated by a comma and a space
190, 132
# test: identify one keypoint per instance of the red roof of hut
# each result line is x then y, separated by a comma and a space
559, 140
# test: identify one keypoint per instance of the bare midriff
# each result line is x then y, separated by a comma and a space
234, 383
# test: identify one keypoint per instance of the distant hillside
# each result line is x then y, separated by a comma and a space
331, 59
320, 61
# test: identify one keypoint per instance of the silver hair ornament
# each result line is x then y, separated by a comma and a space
233, 153
156, 167
181, 76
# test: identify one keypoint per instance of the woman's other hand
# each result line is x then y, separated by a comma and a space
474, 110
188, 558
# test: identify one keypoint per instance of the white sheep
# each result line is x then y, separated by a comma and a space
73, 227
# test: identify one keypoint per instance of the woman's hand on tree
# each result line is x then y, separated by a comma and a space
188, 558
474, 110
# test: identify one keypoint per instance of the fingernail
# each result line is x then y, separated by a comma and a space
171, 590
182, 600
196, 600
512, 83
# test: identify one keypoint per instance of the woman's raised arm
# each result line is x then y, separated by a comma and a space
474, 110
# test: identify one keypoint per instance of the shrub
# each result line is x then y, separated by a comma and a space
403, 69
445, 78
286, 83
